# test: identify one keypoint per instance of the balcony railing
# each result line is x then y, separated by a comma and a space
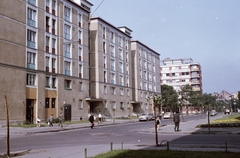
67, 54
33, 2
67, 72
31, 22
31, 66
31, 44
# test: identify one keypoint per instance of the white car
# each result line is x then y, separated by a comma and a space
145, 117
167, 115
213, 112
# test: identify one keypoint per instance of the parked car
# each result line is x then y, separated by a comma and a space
167, 115
213, 112
145, 117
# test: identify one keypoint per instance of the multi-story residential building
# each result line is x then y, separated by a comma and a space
146, 76
179, 72
55, 58
43, 52
110, 68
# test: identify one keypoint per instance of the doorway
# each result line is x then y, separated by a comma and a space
29, 110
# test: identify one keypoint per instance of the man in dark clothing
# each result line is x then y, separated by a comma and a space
176, 120
91, 119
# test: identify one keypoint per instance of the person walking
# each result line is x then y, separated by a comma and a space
60, 117
158, 123
176, 120
51, 121
99, 118
38, 121
91, 119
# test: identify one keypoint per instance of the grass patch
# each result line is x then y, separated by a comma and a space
165, 154
227, 121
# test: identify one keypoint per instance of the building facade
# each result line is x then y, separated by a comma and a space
146, 76
180, 72
55, 58
41, 68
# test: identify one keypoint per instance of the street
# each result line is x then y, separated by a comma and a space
128, 134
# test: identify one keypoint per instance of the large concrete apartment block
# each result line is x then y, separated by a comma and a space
146, 76
55, 58
110, 69
43, 58
180, 72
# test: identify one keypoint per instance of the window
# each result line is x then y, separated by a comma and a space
31, 60
104, 47
47, 102
120, 41
47, 63
113, 105
80, 104
80, 54
121, 105
80, 20
67, 65
104, 32
121, 91
112, 51
127, 92
67, 13
113, 90
53, 26
53, 7
31, 38
120, 54
53, 102
121, 80
47, 82
53, 65
80, 86
80, 37
127, 80
53, 46
67, 50
112, 37
68, 84
31, 17
120, 67
67, 32
80, 71
31, 79
105, 89
112, 78
112, 62
105, 76
54, 80
47, 43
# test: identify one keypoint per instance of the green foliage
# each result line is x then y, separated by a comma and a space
26, 123
56, 120
169, 96
165, 154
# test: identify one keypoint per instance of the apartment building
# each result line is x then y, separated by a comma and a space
180, 72
110, 69
55, 58
43, 55
146, 76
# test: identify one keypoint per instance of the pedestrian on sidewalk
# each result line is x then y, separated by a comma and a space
99, 118
176, 120
91, 119
51, 121
38, 121
60, 117
158, 123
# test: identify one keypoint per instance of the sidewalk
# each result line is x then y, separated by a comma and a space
188, 127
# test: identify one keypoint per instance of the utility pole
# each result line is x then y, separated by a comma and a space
7, 123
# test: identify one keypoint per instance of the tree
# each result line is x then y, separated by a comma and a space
186, 92
155, 100
169, 97
209, 100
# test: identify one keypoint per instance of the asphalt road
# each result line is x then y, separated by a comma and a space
124, 133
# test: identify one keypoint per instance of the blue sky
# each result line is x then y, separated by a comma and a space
208, 31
